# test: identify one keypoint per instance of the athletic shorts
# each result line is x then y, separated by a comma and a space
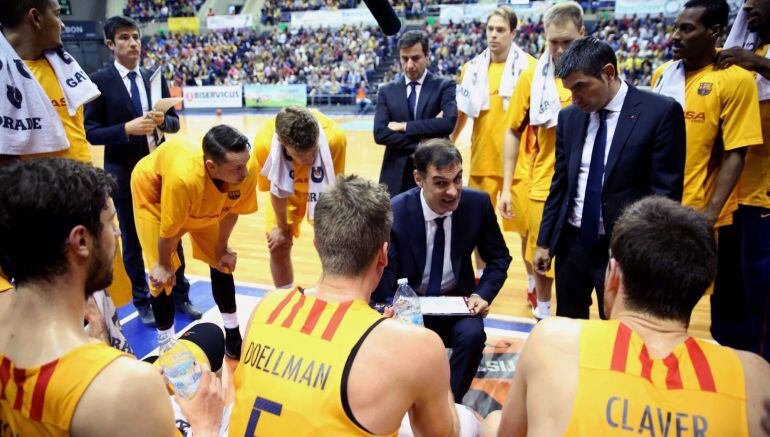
296, 206
535, 218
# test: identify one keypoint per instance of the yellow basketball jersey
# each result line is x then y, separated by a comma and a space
41, 400
697, 390
292, 377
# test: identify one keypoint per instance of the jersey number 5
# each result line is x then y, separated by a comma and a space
260, 405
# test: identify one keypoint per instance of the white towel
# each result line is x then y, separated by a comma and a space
671, 82
30, 123
741, 37
279, 171
473, 93
75, 83
544, 102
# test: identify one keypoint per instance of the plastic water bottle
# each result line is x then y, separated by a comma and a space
180, 368
406, 304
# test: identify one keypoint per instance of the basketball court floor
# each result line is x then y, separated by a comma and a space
507, 326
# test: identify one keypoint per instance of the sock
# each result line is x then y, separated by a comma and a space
230, 320
288, 286
479, 273
165, 335
531, 283
544, 308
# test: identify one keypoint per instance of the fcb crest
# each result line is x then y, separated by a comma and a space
704, 89
317, 174
234, 195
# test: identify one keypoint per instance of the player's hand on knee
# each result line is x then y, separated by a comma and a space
279, 238
541, 260
162, 276
204, 409
226, 260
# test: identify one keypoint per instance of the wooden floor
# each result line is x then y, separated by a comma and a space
363, 158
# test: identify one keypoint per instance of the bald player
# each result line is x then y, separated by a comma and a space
563, 24
308, 355
58, 241
286, 148
722, 121
199, 190
640, 372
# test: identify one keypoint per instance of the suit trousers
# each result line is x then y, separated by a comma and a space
579, 270
466, 337
133, 262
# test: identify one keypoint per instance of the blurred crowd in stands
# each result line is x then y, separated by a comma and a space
151, 10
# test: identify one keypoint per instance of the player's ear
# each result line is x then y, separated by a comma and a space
417, 178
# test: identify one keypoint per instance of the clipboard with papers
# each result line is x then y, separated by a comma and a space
445, 306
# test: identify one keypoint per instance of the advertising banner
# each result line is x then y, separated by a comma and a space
272, 96
332, 19
184, 24
213, 96
219, 22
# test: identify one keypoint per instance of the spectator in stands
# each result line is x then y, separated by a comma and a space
363, 102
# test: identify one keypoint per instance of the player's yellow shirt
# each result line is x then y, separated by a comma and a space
41, 400
621, 390
171, 186
527, 144
337, 147
754, 186
4, 284
721, 113
292, 376
545, 150
489, 128
73, 125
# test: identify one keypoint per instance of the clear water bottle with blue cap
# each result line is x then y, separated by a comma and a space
406, 304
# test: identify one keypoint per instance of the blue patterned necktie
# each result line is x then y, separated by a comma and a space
589, 225
136, 99
412, 99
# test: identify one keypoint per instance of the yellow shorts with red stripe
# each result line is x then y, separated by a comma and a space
296, 207
493, 186
204, 244
535, 217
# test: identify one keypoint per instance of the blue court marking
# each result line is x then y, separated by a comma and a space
143, 339
364, 124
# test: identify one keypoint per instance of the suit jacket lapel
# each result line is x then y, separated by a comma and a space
459, 225
403, 107
146, 79
416, 229
576, 150
426, 90
629, 113
126, 98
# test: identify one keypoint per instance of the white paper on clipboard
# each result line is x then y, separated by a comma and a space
155, 87
445, 305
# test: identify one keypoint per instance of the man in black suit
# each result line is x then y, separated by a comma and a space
416, 106
436, 226
122, 119
614, 145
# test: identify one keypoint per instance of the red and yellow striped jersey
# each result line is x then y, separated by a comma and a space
292, 377
42, 400
696, 390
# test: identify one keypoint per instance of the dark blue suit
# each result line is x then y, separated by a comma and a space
105, 119
474, 224
646, 157
437, 94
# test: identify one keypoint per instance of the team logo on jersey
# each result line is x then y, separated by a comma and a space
317, 174
705, 88
234, 195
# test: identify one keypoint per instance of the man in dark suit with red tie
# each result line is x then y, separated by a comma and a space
414, 107
123, 120
614, 145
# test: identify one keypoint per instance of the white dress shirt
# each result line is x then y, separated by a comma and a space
614, 107
416, 89
123, 71
448, 278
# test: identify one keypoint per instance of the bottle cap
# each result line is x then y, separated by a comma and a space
403, 281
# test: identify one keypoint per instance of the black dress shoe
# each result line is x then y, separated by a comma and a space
189, 309
233, 343
146, 316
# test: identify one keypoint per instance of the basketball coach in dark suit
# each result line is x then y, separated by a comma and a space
416, 106
436, 226
615, 145
122, 120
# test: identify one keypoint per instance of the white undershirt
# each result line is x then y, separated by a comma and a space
448, 278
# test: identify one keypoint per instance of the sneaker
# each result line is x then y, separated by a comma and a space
189, 309
233, 343
146, 316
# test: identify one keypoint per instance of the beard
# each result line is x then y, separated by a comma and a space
100, 272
